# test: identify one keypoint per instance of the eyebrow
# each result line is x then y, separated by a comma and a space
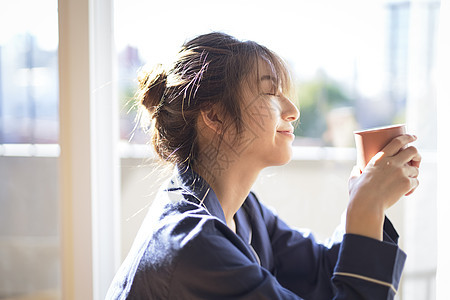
267, 77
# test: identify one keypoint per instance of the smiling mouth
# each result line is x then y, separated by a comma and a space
287, 130
289, 133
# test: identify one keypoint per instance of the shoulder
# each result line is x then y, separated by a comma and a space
174, 224
170, 227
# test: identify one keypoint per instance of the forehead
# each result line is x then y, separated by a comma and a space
261, 80
264, 73
265, 69
267, 74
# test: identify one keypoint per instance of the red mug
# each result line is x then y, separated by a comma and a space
370, 142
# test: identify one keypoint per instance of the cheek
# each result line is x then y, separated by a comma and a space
261, 115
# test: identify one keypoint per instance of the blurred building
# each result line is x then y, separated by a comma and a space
28, 92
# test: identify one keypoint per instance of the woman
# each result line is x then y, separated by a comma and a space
220, 115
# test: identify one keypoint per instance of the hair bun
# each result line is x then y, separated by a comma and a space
152, 85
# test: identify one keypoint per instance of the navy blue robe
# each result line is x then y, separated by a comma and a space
184, 250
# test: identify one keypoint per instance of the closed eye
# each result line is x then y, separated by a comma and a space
272, 94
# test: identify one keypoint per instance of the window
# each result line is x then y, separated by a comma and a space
29, 215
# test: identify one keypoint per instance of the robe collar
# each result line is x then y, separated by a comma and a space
196, 190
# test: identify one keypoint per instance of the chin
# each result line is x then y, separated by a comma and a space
286, 161
282, 158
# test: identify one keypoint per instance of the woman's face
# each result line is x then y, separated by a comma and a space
267, 116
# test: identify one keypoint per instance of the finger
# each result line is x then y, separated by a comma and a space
356, 171
415, 163
397, 144
412, 172
414, 184
410, 192
410, 154
353, 176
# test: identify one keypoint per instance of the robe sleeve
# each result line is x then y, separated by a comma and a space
357, 267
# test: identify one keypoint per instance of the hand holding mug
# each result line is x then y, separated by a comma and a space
390, 174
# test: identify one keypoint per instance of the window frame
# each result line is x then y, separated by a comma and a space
89, 160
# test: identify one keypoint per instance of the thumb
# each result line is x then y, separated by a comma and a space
356, 172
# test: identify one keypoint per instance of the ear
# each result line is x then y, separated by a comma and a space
211, 118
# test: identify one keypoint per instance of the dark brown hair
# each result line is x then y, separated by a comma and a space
210, 69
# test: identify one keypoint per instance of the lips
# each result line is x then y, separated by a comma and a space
287, 132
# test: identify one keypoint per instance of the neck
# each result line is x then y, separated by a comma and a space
232, 186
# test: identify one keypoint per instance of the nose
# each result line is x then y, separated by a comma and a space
289, 112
